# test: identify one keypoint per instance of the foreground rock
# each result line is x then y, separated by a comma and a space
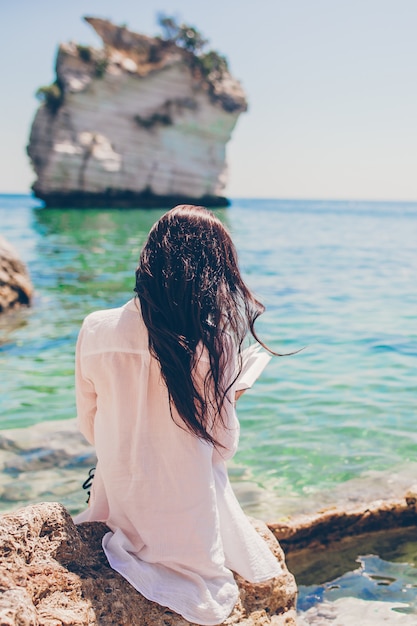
53, 572
142, 122
15, 285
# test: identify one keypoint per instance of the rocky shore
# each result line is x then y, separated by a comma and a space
50, 461
53, 572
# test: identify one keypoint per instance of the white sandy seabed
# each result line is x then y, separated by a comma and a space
49, 461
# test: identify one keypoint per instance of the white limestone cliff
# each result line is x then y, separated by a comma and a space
137, 123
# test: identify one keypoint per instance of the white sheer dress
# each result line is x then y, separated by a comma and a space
177, 530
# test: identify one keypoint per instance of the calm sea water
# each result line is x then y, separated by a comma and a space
337, 420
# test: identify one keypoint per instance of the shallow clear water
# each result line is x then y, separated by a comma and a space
381, 567
335, 420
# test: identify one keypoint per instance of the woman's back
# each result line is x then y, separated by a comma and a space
177, 530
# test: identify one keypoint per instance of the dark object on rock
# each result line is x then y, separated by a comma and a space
15, 286
53, 572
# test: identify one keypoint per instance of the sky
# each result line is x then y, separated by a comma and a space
331, 85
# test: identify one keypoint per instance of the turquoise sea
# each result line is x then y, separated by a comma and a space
334, 422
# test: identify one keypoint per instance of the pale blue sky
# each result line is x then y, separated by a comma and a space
331, 84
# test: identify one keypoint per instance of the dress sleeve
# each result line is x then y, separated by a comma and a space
85, 394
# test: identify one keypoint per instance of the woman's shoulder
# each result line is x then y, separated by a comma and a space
110, 316
101, 317
117, 328
117, 320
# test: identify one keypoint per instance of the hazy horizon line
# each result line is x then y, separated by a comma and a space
266, 198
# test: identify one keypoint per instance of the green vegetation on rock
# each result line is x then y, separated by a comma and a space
211, 64
101, 67
85, 53
51, 95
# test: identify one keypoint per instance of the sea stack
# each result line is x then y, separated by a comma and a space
142, 122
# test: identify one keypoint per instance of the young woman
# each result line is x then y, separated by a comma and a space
155, 385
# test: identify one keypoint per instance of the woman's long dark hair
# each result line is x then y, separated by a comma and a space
192, 294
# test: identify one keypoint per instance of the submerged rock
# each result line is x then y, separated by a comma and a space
142, 122
15, 285
53, 572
